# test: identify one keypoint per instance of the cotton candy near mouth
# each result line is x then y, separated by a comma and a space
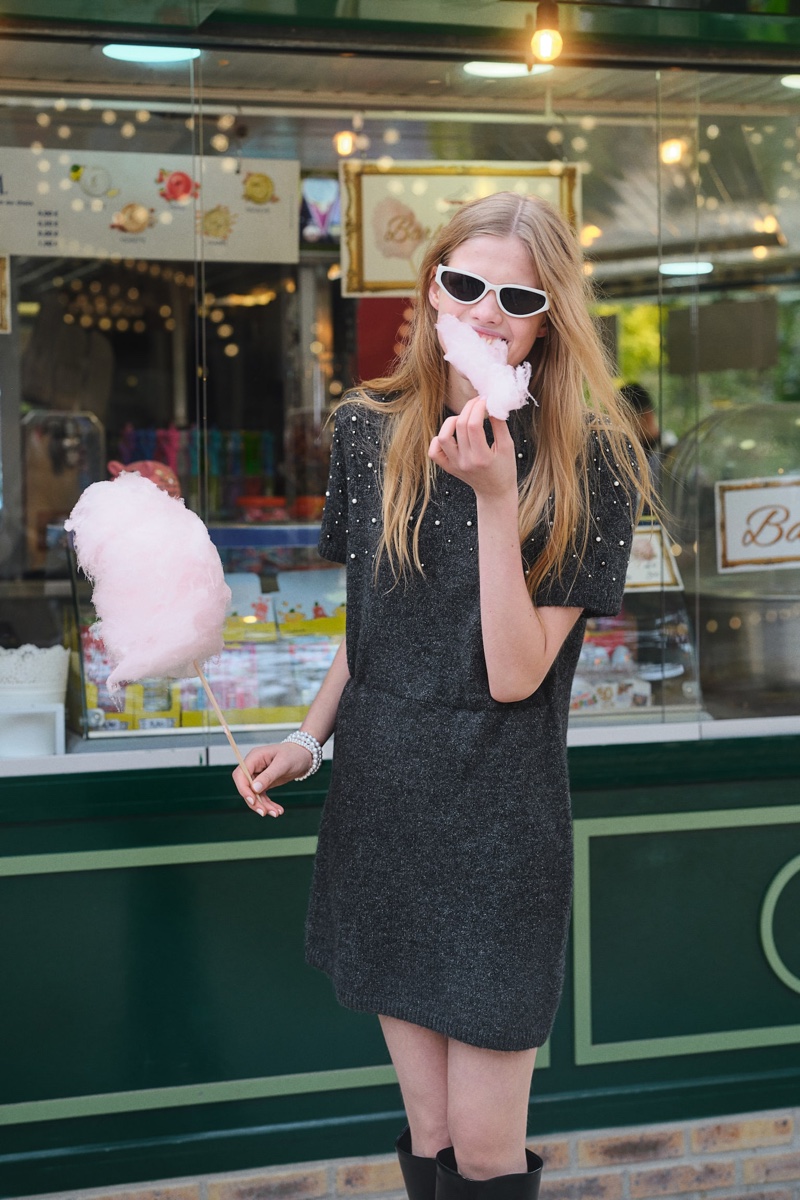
159, 587
486, 366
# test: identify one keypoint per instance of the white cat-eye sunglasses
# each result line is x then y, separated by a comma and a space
515, 299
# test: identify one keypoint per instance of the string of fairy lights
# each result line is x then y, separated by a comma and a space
135, 306
122, 306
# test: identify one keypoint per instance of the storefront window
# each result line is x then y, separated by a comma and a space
180, 288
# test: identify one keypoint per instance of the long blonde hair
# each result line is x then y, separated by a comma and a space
571, 379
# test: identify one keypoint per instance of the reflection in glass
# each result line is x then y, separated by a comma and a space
748, 619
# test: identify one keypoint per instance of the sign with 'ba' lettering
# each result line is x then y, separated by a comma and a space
758, 523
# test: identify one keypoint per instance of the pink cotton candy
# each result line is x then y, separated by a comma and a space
159, 588
486, 367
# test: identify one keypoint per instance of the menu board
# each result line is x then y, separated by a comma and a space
96, 204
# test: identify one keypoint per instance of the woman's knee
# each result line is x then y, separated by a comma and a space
486, 1143
484, 1151
487, 1109
429, 1133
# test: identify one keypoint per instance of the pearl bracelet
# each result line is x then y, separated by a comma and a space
310, 743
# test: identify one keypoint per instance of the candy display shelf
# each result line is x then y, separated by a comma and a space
286, 622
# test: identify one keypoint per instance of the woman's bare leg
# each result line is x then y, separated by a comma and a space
487, 1108
473, 1099
420, 1059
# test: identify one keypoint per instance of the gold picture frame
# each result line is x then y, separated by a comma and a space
757, 523
652, 566
390, 212
5, 294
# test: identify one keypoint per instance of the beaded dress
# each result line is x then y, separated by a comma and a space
443, 878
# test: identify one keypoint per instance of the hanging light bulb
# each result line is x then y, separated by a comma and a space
344, 142
672, 151
546, 43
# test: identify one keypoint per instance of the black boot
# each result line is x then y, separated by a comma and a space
452, 1186
419, 1174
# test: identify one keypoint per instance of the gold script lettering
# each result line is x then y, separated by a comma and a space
768, 524
403, 229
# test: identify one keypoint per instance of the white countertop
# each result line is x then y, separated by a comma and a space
151, 753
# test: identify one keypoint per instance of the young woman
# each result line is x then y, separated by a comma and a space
475, 551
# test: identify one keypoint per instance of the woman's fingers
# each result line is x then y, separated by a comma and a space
462, 449
472, 432
260, 801
448, 429
460, 445
265, 807
258, 763
447, 435
504, 443
469, 436
438, 453
443, 447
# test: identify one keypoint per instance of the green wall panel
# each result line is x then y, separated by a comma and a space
674, 944
202, 980
157, 1017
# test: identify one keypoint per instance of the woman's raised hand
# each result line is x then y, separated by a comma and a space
460, 448
270, 766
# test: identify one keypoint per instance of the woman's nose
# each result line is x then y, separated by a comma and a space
488, 308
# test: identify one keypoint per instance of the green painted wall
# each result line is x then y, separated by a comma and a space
157, 1018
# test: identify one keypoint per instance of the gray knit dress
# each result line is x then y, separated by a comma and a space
443, 878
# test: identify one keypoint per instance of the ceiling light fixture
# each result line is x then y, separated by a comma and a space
791, 81
503, 70
149, 54
589, 234
686, 268
672, 151
546, 41
344, 142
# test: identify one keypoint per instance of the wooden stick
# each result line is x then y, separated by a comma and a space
222, 721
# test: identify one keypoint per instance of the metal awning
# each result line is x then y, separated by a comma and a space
710, 33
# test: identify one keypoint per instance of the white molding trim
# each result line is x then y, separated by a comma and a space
111, 757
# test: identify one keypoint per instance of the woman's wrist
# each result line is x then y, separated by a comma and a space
504, 505
314, 731
308, 742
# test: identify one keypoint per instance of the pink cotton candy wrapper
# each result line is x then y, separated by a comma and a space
159, 588
485, 365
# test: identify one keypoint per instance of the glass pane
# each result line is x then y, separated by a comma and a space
175, 296
731, 481
98, 214
642, 666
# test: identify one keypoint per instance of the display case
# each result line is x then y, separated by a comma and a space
286, 620
214, 341
640, 665
733, 487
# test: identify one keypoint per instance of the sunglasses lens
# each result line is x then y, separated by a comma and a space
464, 288
520, 303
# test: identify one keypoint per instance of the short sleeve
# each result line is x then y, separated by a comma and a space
333, 532
594, 579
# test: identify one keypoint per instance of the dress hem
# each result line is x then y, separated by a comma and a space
415, 1015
